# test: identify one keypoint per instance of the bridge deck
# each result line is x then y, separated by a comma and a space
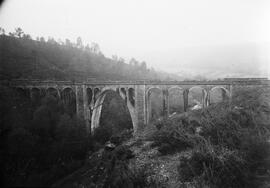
212, 82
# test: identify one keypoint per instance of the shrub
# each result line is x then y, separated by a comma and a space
165, 148
102, 134
216, 166
110, 168
172, 137
172, 141
121, 137
235, 147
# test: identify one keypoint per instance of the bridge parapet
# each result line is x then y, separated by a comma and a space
247, 81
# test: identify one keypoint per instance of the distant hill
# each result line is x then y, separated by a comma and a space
221, 61
24, 58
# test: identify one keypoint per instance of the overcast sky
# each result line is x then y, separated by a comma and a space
172, 35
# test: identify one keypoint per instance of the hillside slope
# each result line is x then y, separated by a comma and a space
24, 58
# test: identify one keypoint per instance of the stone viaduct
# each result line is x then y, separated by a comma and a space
136, 94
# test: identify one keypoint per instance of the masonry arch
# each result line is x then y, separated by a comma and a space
123, 93
89, 96
98, 107
35, 90
42, 92
68, 98
22, 94
153, 88
196, 97
176, 100
131, 96
154, 104
218, 94
53, 92
97, 92
35, 96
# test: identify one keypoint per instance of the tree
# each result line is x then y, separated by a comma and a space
18, 32
11, 34
59, 41
42, 39
133, 62
51, 40
115, 57
143, 66
26, 36
87, 48
68, 43
121, 60
2, 31
79, 43
95, 48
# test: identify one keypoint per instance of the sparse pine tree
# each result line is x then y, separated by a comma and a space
2, 31
18, 32
79, 43
95, 48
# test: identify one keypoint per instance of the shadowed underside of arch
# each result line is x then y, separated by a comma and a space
149, 105
95, 119
53, 91
196, 97
68, 98
225, 94
176, 99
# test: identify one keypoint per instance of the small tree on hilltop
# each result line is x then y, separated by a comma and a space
18, 32
42, 39
2, 31
79, 43
95, 48
26, 36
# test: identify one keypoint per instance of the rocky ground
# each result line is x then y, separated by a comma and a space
161, 169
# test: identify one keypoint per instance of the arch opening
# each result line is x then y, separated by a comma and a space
176, 100
196, 96
23, 93
35, 96
89, 95
22, 97
53, 92
131, 96
96, 93
68, 97
111, 115
218, 95
42, 92
154, 104
123, 94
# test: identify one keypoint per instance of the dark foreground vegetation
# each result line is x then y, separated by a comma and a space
44, 144
221, 146
43, 141
229, 145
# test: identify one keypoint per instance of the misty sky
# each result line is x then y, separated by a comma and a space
185, 36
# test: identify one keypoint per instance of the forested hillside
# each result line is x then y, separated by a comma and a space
22, 57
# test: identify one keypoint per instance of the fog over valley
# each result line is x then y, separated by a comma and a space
219, 61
